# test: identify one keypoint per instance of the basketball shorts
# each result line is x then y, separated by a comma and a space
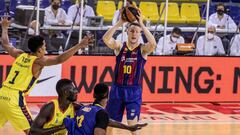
14, 109
124, 97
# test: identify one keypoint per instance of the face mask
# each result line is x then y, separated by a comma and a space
220, 12
55, 7
174, 39
210, 36
31, 31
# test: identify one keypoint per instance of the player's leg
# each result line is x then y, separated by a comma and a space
4, 108
133, 107
115, 107
19, 115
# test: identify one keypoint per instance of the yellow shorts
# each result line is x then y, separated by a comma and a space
14, 109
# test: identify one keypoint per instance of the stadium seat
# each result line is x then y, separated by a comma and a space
2, 7
236, 1
212, 10
173, 13
14, 4
44, 3
106, 9
190, 12
149, 10
234, 13
180, 0
199, 0
120, 4
220, 0
66, 4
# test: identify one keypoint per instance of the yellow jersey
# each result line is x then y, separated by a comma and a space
20, 76
58, 116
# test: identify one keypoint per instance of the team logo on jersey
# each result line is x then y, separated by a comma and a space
123, 58
86, 109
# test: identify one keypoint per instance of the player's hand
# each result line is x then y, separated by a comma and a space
137, 127
140, 18
5, 22
87, 41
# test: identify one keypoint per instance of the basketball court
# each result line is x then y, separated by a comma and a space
178, 118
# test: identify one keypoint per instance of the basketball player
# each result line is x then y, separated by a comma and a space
93, 119
23, 76
126, 91
51, 116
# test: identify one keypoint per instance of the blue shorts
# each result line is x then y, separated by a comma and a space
121, 97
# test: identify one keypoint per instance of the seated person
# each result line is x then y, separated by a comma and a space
54, 15
214, 44
171, 41
221, 20
235, 46
87, 12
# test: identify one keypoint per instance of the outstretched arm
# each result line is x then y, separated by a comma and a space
5, 40
43, 117
120, 125
48, 61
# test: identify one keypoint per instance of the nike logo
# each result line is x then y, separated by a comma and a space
45, 79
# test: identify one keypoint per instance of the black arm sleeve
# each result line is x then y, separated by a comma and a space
102, 119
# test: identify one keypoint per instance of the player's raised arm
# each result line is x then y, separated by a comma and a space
150, 46
5, 40
43, 117
48, 61
115, 124
108, 36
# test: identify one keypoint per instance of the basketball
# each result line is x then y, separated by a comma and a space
130, 13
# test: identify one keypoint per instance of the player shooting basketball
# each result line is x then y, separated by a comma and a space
23, 76
126, 91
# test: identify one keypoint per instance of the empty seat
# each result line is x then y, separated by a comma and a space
173, 13
190, 12
14, 4
106, 9
179, 0
220, 0
212, 9
234, 13
66, 4
120, 4
236, 1
149, 11
2, 7
44, 3
199, 0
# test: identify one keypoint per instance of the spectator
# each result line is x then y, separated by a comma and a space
87, 11
221, 20
235, 46
54, 15
171, 41
117, 12
214, 44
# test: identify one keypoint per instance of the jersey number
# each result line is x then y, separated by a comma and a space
80, 120
127, 69
14, 78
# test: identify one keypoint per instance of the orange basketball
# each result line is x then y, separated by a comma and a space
130, 13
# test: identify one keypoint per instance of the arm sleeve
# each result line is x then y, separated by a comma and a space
102, 119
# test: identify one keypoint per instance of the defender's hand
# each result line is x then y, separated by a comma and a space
5, 22
137, 127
